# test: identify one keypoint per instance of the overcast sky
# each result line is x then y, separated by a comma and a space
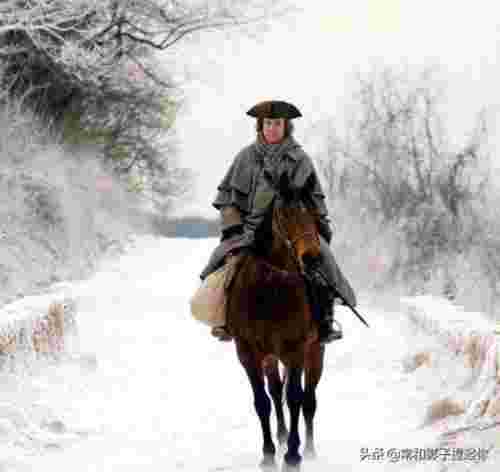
311, 60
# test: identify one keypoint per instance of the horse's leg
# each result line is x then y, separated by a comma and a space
253, 367
276, 389
313, 370
294, 397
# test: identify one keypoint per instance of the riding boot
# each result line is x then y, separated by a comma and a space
322, 299
221, 333
326, 330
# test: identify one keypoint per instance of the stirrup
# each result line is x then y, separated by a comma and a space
221, 333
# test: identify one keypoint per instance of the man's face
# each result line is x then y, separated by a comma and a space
273, 129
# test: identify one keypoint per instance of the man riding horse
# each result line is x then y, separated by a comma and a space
246, 191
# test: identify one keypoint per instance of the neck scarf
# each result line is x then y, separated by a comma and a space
270, 155
272, 152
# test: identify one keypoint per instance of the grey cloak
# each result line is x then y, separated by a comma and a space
249, 185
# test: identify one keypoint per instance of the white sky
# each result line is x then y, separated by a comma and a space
311, 61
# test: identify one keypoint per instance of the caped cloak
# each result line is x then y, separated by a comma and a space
250, 184
249, 173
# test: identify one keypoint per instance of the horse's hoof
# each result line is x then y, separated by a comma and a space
282, 448
310, 454
290, 467
268, 463
283, 438
293, 460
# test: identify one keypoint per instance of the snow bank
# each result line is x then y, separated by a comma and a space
45, 326
469, 363
452, 325
36, 326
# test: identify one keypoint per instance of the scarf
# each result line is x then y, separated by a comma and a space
270, 156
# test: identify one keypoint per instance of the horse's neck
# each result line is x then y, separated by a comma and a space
280, 258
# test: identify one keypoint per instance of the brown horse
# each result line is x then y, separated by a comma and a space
269, 315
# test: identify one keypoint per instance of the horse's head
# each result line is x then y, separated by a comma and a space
291, 224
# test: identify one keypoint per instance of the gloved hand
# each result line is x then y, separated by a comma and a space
231, 231
246, 234
243, 239
236, 252
246, 229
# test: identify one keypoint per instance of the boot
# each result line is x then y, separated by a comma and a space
326, 330
221, 333
322, 299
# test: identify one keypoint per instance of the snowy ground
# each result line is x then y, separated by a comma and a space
154, 391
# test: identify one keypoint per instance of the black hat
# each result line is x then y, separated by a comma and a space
274, 109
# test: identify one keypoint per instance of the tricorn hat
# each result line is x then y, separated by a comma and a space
274, 109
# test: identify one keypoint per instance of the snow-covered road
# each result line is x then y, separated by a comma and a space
165, 395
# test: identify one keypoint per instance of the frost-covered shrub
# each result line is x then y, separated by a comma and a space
42, 201
59, 211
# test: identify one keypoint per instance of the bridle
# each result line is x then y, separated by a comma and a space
290, 243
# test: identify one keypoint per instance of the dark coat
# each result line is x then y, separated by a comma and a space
249, 185
247, 172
